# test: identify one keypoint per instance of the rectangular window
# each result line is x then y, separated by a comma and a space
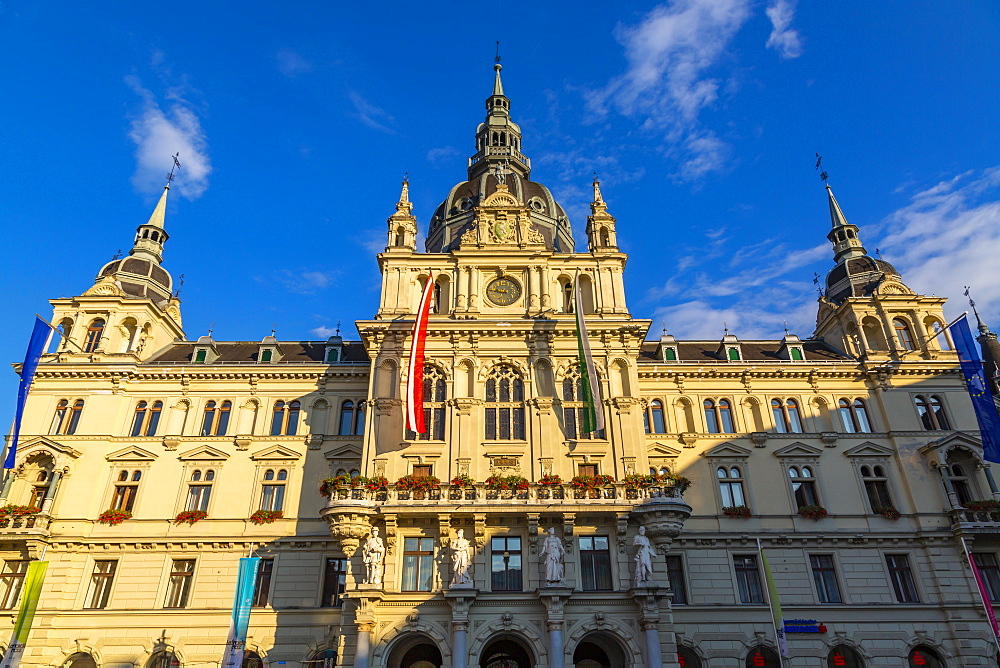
100, 583
506, 563
179, 589
422, 470
989, 571
197, 498
124, 497
418, 564
675, 575
11, 581
902, 578
262, 585
825, 577
587, 469
748, 578
334, 582
272, 497
595, 563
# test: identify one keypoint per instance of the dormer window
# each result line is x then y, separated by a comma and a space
200, 355
333, 354
733, 354
265, 355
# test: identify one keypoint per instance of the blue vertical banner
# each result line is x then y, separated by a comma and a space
975, 381
240, 622
37, 344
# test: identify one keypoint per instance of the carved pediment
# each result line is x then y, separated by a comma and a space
204, 452
39, 443
502, 199
662, 450
868, 449
107, 286
798, 450
131, 454
727, 450
276, 452
348, 450
937, 451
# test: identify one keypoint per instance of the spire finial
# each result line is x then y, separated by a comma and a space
725, 327
982, 328
598, 199
498, 53
274, 328
822, 172
404, 195
176, 165
498, 84
338, 328
211, 328
785, 323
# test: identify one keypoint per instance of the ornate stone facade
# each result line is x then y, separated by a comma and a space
852, 456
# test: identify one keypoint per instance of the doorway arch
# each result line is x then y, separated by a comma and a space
599, 650
506, 651
414, 650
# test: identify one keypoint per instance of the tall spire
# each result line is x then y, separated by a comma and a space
498, 83
844, 235
498, 138
149, 238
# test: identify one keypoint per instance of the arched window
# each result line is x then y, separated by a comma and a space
81, 660
731, 486
94, 334
686, 658
803, 486
854, 416
199, 490
903, 334
62, 408
352, 420
567, 296
146, 418
126, 490
762, 657
505, 404
940, 335
272, 494
655, 420
163, 659
574, 409
216, 419
786, 416
924, 657
66, 418
960, 483
876, 487
435, 395
74, 417
931, 412
285, 418
40, 485
843, 656
719, 417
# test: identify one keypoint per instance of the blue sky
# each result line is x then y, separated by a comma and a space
295, 126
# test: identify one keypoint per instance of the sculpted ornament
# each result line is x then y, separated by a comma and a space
554, 555
643, 559
461, 561
373, 553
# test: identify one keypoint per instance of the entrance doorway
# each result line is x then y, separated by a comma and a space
598, 650
505, 652
414, 651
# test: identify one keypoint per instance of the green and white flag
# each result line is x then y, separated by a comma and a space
590, 383
29, 601
774, 601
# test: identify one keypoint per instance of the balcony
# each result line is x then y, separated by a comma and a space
504, 151
616, 496
24, 526
975, 521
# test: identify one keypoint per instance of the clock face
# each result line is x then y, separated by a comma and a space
503, 291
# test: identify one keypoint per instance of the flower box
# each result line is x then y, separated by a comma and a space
11, 510
190, 516
813, 512
888, 512
550, 480
113, 517
982, 504
463, 480
737, 512
266, 516
509, 482
418, 483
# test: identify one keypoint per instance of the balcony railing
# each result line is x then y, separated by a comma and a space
480, 494
977, 520
26, 525
505, 151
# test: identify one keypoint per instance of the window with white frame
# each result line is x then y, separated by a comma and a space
100, 583
854, 416
126, 490
787, 419
179, 584
731, 486
199, 489
876, 486
272, 491
803, 481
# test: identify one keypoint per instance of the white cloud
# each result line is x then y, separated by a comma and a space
292, 64
444, 155
162, 131
370, 114
948, 237
304, 281
787, 42
323, 332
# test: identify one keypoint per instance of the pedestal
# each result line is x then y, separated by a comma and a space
554, 598
460, 599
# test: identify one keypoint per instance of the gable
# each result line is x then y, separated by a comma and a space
662, 450
798, 450
868, 449
131, 454
203, 452
348, 450
727, 450
43, 443
276, 452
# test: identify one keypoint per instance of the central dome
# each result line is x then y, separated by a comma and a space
498, 156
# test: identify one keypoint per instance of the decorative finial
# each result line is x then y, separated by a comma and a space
118, 254
274, 328
785, 323
180, 284
816, 283
211, 328
498, 53
176, 165
822, 173
663, 323
406, 177
725, 327
878, 253
338, 328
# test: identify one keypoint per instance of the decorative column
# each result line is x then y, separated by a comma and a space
543, 286
461, 287
364, 644
50, 492
648, 600
8, 480
460, 601
994, 492
554, 598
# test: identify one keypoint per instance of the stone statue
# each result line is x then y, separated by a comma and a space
554, 553
461, 561
372, 554
643, 559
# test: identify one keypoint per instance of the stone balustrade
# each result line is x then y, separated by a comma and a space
535, 494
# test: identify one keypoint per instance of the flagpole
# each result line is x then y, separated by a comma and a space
987, 606
774, 623
928, 339
60, 333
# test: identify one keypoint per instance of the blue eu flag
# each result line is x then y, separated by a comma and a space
975, 381
36, 346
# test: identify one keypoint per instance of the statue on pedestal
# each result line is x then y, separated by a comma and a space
643, 559
554, 554
461, 561
373, 553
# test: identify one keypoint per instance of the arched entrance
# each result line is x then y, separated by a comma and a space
845, 657
80, 660
598, 650
924, 656
506, 652
414, 650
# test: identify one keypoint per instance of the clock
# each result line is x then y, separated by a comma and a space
503, 291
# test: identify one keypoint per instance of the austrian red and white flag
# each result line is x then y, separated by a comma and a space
415, 370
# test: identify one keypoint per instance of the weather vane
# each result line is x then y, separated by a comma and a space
816, 283
498, 51
180, 284
176, 165
338, 328
822, 172
118, 254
